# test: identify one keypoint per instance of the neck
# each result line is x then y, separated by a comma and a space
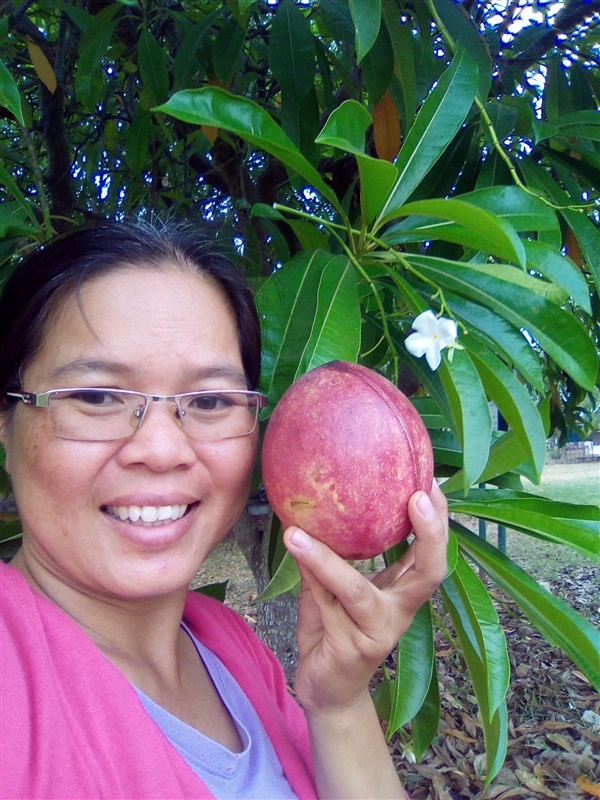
128, 631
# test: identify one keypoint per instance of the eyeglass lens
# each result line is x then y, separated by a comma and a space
103, 415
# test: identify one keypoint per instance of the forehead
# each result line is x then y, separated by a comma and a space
142, 322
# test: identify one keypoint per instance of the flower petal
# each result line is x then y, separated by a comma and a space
417, 344
433, 356
426, 323
446, 331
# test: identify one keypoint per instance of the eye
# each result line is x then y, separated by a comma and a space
209, 402
99, 398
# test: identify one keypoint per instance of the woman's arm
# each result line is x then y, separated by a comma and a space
347, 625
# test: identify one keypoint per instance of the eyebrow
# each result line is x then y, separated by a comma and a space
82, 366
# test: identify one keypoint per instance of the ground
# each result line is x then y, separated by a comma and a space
554, 714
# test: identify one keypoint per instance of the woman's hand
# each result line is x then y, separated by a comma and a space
349, 622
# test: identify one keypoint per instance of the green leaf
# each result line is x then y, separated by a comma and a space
560, 269
414, 670
186, 59
580, 124
460, 222
335, 331
400, 33
470, 412
501, 336
452, 555
523, 211
425, 723
214, 106
309, 236
337, 19
292, 50
559, 333
558, 623
299, 320
447, 449
9, 94
484, 630
153, 69
14, 220
345, 129
90, 77
286, 579
475, 641
366, 15
514, 402
438, 121
464, 31
10, 214
506, 453
84, 20
300, 120
378, 66
585, 231
518, 277
138, 140
569, 524
285, 303
226, 49
216, 590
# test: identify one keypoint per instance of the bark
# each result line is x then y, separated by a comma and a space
277, 618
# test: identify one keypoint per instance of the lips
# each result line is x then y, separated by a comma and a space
147, 515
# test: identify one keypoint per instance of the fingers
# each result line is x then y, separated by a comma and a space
331, 578
429, 516
423, 567
408, 583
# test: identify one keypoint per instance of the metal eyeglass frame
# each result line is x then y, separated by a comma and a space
42, 400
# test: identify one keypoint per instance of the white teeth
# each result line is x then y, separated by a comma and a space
148, 514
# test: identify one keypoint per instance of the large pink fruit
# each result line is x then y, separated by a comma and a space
343, 452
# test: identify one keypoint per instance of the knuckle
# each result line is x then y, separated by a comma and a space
359, 592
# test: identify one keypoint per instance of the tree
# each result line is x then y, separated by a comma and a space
368, 160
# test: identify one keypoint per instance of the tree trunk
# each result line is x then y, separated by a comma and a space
277, 618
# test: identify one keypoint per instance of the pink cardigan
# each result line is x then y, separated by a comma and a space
71, 725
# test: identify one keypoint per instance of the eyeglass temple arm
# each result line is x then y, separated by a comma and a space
30, 398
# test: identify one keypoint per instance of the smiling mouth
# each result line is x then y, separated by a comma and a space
151, 516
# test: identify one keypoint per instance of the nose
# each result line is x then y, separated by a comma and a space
160, 442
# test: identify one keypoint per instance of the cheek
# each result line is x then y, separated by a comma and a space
231, 464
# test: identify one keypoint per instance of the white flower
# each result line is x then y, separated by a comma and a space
432, 335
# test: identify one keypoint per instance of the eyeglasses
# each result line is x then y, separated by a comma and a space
104, 415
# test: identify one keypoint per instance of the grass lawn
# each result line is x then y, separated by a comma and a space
571, 483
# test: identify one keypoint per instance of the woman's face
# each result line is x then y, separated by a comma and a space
159, 332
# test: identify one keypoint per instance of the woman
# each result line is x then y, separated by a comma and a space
117, 682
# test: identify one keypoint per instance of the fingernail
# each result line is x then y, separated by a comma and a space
425, 507
301, 540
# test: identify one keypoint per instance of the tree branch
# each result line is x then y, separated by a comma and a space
566, 21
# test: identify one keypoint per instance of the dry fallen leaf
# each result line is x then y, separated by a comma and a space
459, 735
534, 784
586, 785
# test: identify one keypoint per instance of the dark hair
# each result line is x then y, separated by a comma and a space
43, 279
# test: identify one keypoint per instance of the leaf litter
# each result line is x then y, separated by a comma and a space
553, 711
